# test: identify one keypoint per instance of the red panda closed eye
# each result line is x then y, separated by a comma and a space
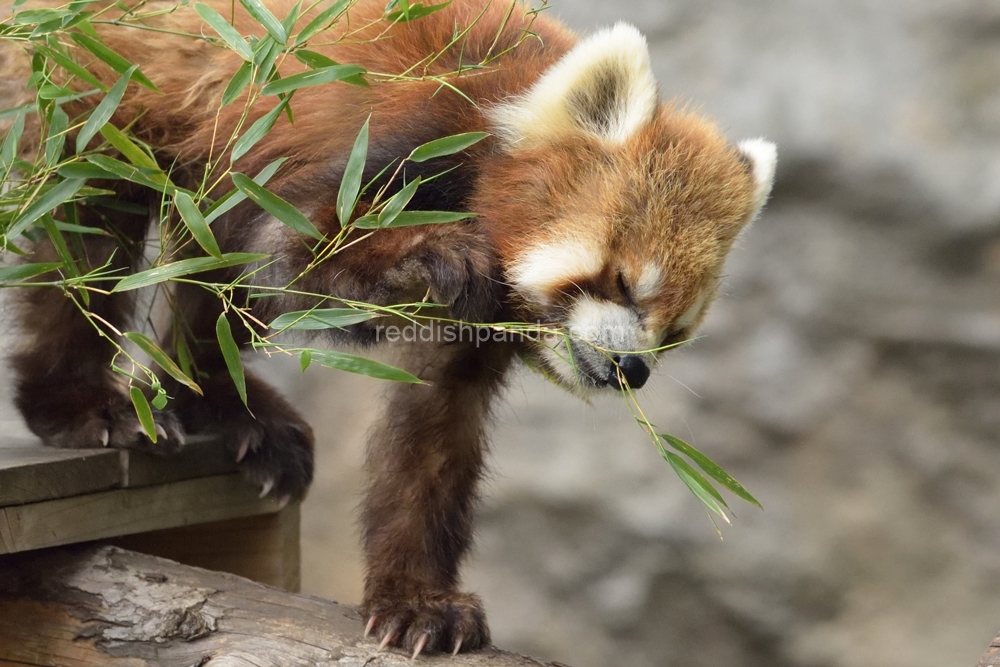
600, 210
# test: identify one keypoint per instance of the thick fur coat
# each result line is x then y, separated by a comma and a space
601, 211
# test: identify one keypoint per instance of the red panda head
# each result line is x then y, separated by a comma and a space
614, 212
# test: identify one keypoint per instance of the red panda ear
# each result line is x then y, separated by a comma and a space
604, 86
763, 156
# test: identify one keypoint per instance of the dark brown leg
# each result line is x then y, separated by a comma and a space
64, 386
271, 441
424, 463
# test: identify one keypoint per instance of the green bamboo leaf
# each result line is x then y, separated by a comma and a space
196, 224
102, 114
314, 77
59, 243
231, 353
266, 53
25, 271
350, 184
56, 138
132, 152
143, 412
115, 61
263, 16
228, 33
412, 218
79, 229
713, 469
322, 20
257, 131
160, 400
446, 146
162, 360
323, 318
34, 16
70, 66
362, 366
414, 12
315, 60
84, 170
54, 196
238, 83
276, 206
395, 206
305, 358
156, 180
184, 267
288, 23
229, 200
8, 151
700, 486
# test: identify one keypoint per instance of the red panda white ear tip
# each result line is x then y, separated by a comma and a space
763, 155
602, 86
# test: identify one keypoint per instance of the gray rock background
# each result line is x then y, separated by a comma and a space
850, 377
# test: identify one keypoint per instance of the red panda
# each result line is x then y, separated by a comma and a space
600, 210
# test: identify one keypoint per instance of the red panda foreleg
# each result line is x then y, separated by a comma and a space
425, 459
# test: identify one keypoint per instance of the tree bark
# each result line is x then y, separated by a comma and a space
107, 607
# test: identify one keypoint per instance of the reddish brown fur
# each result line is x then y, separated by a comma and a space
677, 191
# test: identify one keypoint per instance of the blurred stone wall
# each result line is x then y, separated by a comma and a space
850, 377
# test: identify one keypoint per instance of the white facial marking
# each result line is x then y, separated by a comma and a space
690, 316
545, 267
649, 283
764, 156
573, 95
605, 324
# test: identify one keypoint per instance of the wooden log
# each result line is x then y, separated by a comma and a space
992, 657
106, 607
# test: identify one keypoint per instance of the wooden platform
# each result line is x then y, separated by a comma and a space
992, 657
193, 507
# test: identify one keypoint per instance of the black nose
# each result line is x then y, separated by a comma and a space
634, 370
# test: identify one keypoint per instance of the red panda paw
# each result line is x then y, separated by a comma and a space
118, 428
444, 622
276, 456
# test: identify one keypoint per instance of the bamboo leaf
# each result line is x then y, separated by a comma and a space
132, 152
56, 139
314, 77
316, 60
700, 486
196, 224
276, 206
263, 16
446, 146
71, 66
322, 318
84, 170
227, 32
8, 151
115, 61
102, 114
350, 184
395, 206
362, 366
55, 196
156, 180
411, 218
229, 200
231, 353
414, 12
238, 83
322, 20
184, 267
305, 358
25, 271
143, 412
713, 469
162, 360
257, 131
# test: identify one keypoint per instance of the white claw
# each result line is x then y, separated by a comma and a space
389, 636
266, 489
458, 646
244, 448
371, 625
283, 502
105, 438
421, 643
161, 432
